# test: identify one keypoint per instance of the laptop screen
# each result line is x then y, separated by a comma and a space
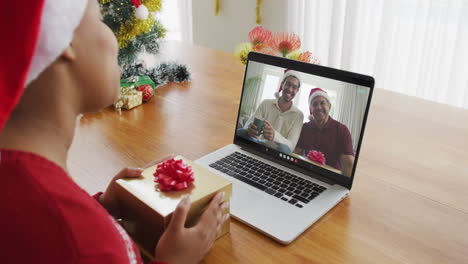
308, 116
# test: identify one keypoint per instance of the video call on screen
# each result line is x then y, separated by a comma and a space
307, 117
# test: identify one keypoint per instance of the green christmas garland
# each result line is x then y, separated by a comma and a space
161, 74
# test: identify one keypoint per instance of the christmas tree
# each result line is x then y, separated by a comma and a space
134, 25
137, 30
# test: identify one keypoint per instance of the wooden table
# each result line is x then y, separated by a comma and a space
409, 202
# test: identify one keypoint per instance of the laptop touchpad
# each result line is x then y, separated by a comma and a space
244, 199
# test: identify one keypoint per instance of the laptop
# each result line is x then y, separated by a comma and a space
282, 191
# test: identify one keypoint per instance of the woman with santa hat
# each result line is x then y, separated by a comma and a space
58, 60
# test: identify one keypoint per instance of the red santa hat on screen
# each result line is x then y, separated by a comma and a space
314, 93
287, 73
37, 31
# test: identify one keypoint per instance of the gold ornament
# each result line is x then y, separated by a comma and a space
257, 12
216, 7
258, 7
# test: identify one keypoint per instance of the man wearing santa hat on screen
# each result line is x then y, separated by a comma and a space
283, 120
323, 133
57, 61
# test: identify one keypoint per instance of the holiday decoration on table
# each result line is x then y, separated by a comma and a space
147, 91
137, 30
173, 175
134, 91
138, 75
129, 98
279, 44
161, 74
316, 156
137, 81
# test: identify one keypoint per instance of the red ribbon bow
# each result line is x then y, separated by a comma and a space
316, 156
173, 175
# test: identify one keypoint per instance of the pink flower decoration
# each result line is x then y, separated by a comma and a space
267, 50
173, 175
285, 42
260, 46
279, 44
259, 35
314, 60
316, 156
308, 57
305, 56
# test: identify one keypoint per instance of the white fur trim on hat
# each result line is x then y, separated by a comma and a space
142, 12
318, 93
292, 73
58, 23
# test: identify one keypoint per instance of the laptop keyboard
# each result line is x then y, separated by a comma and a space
276, 182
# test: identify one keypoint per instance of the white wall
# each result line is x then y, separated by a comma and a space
234, 21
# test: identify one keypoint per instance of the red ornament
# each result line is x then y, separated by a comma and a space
147, 92
316, 156
173, 175
136, 3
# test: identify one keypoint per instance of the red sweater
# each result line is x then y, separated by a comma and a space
47, 218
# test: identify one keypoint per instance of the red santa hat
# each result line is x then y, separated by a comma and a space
141, 11
37, 32
314, 93
287, 73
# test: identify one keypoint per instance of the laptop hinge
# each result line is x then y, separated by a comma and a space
290, 166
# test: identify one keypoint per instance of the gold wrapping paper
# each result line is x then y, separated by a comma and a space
147, 211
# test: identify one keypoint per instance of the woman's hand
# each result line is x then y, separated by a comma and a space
189, 245
109, 199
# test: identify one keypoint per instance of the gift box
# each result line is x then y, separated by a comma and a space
129, 98
147, 211
137, 81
